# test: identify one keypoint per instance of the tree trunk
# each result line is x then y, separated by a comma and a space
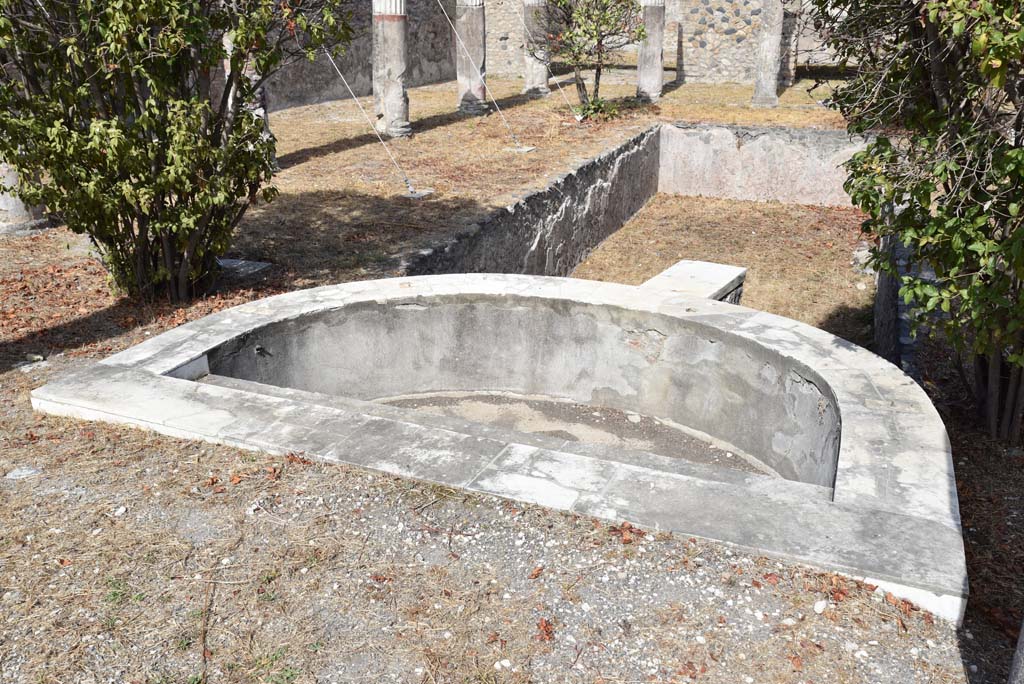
181, 281
597, 82
581, 87
1010, 406
1015, 435
936, 67
980, 373
995, 364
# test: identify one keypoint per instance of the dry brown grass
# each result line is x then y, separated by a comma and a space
340, 192
798, 258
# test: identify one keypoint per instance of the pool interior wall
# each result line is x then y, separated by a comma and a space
763, 404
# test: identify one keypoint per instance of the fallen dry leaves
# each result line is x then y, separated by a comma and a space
545, 630
626, 533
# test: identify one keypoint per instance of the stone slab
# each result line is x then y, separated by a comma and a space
699, 279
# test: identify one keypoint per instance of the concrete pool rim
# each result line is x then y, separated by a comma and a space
892, 517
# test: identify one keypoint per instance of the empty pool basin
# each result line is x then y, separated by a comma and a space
854, 472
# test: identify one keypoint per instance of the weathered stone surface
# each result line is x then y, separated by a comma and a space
769, 53
431, 58
1017, 667
14, 215
295, 372
650, 70
701, 279
390, 61
471, 51
756, 163
535, 56
551, 231
712, 42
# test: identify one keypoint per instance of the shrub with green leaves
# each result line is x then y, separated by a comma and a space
136, 121
943, 81
587, 34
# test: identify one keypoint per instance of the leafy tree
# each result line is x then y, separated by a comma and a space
943, 80
587, 34
136, 122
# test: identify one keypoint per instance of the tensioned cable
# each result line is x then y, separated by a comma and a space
547, 65
405, 178
487, 88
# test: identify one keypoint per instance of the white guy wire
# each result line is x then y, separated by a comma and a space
405, 178
487, 88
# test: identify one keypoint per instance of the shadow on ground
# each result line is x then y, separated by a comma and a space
852, 323
990, 479
324, 237
311, 239
423, 125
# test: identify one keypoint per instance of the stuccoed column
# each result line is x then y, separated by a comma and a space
390, 62
535, 55
471, 55
769, 54
13, 212
650, 61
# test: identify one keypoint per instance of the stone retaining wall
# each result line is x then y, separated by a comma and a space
801, 166
550, 232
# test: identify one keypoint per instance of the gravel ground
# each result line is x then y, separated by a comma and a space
132, 557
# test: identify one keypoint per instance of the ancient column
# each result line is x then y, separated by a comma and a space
13, 212
471, 55
650, 61
390, 61
680, 54
535, 55
769, 54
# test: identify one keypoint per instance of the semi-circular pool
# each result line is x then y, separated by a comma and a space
860, 476
681, 369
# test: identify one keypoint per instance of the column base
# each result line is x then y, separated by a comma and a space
765, 101
396, 129
648, 98
536, 91
474, 107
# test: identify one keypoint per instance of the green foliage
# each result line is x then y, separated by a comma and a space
137, 122
587, 34
598, 108
943, 81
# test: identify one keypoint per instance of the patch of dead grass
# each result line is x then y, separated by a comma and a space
798, 258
